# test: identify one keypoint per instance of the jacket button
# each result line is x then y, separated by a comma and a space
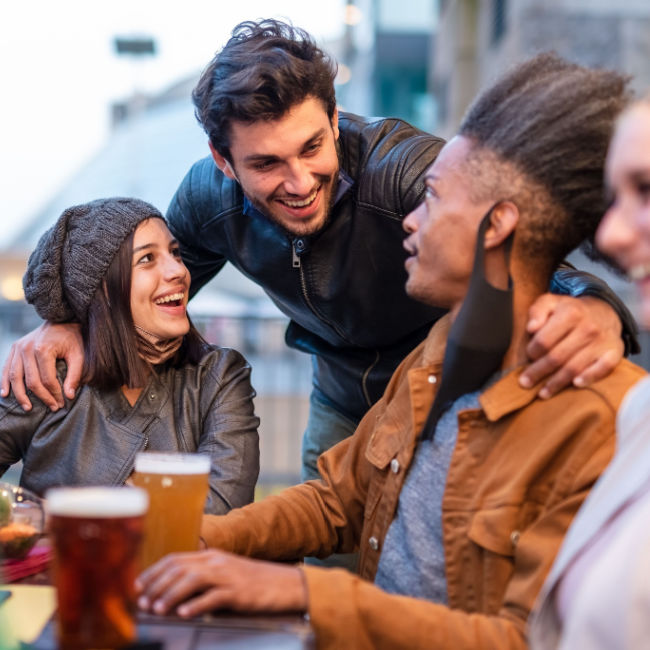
394, 465
152, 396
432, 379
300, 245
373, 542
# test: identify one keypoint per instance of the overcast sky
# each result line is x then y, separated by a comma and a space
60, 73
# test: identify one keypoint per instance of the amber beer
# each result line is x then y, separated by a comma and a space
177, 485
96, 535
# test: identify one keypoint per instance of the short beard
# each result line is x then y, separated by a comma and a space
334, 180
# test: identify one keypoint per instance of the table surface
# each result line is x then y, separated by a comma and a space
225, 631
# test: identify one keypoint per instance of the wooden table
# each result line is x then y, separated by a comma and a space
224, 631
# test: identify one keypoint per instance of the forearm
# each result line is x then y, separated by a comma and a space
348, 612
288, 526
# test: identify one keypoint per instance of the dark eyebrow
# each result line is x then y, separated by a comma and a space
137, 249
259, 157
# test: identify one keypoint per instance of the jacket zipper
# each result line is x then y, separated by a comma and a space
296, 264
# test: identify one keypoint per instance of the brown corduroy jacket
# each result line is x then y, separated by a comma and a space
520, 470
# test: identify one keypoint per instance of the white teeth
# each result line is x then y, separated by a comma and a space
303, 203
638, 272
172, 297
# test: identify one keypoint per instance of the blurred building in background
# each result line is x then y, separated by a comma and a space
386, 54
478, 39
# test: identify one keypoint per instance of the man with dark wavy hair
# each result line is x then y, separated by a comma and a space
309, 203
459, 484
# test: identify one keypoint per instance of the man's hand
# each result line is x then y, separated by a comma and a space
218, 580
31, 364
574, 340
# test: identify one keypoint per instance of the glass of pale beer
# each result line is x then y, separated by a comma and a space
177, 484
96, 534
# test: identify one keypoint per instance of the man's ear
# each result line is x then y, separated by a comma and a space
503, 220
335, 123
222, 163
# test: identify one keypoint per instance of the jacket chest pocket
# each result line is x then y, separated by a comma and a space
494, 535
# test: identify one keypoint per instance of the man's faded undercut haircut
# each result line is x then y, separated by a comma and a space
265, 69
550, 121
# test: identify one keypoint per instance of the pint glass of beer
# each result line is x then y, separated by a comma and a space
96, 535
178, 486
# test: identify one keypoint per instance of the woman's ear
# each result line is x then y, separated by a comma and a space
222, 163
503, 221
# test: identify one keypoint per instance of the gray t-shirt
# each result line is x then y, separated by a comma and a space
412, 562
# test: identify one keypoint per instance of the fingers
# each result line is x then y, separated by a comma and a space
574, 342
208, 601
14, 377
5, 383
550, 321
540, 312
557, 368
75, 363
41, 378
173, 579
600, 367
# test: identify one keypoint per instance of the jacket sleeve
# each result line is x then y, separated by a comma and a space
571, 282
350, 613
17, 428
316, 518
196, 200
229, 432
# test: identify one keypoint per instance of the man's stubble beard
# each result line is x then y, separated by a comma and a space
331, 181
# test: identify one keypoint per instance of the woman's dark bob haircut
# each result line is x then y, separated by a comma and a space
110, 339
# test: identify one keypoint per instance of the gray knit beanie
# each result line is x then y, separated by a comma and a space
71, 258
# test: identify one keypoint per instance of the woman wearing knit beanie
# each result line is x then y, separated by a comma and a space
150, 380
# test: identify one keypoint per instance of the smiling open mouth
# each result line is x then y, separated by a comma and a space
173, 299
303, 203
638, 272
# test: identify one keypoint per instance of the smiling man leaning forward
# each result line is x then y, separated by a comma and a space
457, 492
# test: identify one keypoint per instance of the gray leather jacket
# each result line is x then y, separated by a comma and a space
93, 439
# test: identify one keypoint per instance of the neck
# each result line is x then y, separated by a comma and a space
131, 394
527, 290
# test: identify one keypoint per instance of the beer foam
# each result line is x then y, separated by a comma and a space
157, 463
101, 502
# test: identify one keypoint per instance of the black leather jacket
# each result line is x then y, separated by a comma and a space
343, 288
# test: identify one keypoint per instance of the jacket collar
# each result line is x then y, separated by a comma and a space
501, 398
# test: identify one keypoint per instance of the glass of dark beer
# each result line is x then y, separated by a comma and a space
96, 535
